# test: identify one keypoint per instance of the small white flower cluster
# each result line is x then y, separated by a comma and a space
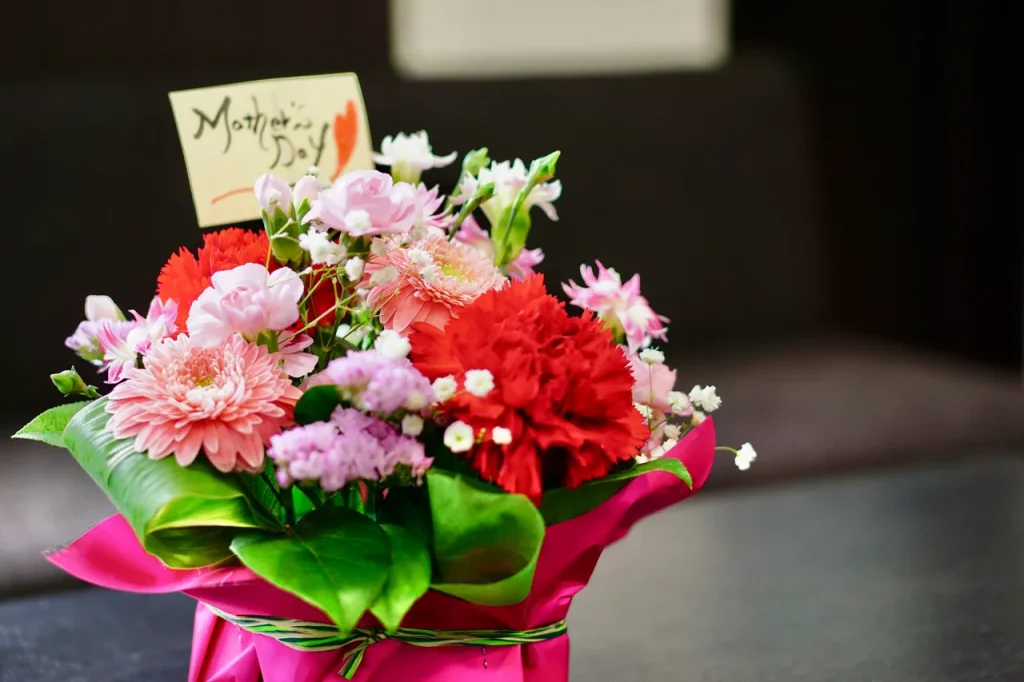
459, 436
322, 250
424, 263
392, 345
745, 456
705, 398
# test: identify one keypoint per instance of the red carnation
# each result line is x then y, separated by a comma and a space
185, 276
562, 387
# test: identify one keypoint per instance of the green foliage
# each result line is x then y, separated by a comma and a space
316, 404
563, 504
336, 559
485, 543
49, 426
185, 516
408, 577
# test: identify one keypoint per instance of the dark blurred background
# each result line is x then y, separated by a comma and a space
828, 216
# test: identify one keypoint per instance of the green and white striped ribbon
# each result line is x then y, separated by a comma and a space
304, 635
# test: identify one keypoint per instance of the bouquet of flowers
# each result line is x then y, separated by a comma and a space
367, 439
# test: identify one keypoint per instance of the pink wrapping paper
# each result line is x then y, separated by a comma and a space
109, 555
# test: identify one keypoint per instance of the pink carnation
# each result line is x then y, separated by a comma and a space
651, 383
227, 400
471, 234
364, 203
427, 281
122, 342
430, 219
618, 304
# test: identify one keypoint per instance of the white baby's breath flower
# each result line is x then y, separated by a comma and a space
385, 275
644, 410
419, 257
705, 398
479, 382
412, 425
642, 459
313, 170
379, 247
354, 268
745, 456
697, 417
672, 431
501, 436
660, 450
458, 437
652, 356
428, 273
358, 221
445, 388
391, 344
678, 402
322, 251
353, 334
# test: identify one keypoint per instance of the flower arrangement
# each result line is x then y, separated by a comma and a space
369, 430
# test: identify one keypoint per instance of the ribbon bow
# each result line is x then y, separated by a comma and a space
305, 635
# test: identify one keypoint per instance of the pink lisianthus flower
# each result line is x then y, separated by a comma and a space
123, 342
85, 341
652, 383
364, 203
227, 400
620, 305
471, 234
427, 281
245, 300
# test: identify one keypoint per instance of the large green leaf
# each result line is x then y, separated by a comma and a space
486, 543
563, 504
336, 559
185, 516
49, 426
408, 577
316, 404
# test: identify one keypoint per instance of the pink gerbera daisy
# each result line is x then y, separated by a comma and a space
227, 400
427, 281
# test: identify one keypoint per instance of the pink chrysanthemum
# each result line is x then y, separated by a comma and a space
620, 305
227, 400
427, 281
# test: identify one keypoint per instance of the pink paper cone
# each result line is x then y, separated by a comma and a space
110, 555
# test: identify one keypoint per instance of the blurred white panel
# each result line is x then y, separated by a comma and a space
480, 38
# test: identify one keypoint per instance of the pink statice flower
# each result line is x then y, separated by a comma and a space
85, 341
350, 446
376, 382
471, 234
226, 400
620, 305
365, 203
123, 342
427, 281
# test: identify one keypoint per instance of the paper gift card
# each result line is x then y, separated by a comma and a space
232, 134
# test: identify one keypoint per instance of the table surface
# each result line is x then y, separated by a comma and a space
891, 575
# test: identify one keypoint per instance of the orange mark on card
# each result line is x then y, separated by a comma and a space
232, 193
346, 130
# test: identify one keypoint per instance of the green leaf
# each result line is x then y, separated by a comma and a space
263, 492
49, 426
337, 560
408, 577
316, 404
486, 543
563, 504
300, 502
185, 516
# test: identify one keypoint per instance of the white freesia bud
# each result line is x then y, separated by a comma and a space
308, 188
102, 308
